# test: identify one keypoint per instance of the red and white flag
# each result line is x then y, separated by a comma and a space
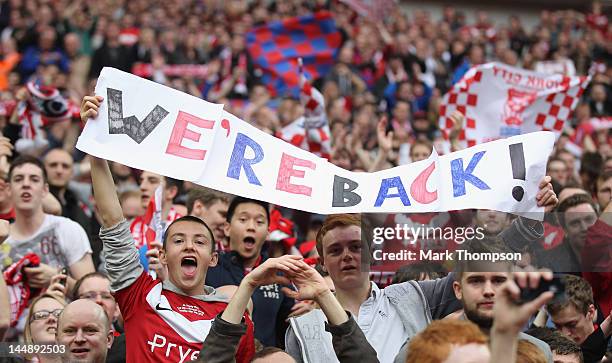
146, 229
499, 101
310, 132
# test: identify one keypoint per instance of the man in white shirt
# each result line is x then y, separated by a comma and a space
58, 241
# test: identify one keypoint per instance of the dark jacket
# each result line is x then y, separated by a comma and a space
349, 342
71, 208
594, 346
120, 57
116, 354
270, 305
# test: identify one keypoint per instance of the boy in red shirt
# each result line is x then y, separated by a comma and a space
165, 321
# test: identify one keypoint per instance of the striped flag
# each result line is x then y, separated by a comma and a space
310, 132
151, 227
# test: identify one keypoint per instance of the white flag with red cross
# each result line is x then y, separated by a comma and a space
499, 101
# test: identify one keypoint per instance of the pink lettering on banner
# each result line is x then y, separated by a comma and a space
418, 189
180, 132
286, 171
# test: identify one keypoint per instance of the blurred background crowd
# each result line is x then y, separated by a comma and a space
396, 65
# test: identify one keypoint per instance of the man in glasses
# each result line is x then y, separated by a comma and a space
96, 287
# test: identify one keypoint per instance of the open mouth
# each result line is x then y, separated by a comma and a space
51, 329
25, 196
348, 268
189, 265
249, 243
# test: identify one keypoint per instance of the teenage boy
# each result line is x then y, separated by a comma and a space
164, 320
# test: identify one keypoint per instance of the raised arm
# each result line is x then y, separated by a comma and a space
510, 318
120, 252
385, 143
350, 344
524, 231
349, 341
458, 119
264, 274
222, 341
104, 189
105, 193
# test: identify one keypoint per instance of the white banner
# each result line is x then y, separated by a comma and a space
148, 126
500, 101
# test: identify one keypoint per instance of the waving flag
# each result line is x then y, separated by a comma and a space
149, 227
499, 101
275, 48
310, 132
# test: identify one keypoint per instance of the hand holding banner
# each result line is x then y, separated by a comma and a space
186, 138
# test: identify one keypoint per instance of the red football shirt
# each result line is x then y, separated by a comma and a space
163, 326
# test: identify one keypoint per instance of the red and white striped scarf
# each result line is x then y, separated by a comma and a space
310, 132
44, 106
18, 289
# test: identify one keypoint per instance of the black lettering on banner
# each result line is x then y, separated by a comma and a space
343, 195
131, 126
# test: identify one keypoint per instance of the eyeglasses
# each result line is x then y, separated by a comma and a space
44, 314
92, 295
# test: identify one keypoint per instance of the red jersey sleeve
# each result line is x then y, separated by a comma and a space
131, 297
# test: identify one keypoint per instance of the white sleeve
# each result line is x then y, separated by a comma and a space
73, 240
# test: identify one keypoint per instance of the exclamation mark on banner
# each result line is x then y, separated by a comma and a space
517, 158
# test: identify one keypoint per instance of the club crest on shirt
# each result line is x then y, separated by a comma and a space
190, 309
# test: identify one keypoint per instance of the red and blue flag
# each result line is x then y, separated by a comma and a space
276, 47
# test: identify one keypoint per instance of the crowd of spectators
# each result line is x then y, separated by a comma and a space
389, 75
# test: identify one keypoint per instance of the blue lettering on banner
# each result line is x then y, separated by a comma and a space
460, 176
238, 161
387, 184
